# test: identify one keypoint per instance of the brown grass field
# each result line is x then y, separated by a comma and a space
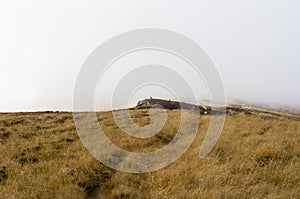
257, 156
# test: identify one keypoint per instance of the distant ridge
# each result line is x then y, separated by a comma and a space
209, 109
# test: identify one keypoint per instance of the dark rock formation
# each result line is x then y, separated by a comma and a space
168, 104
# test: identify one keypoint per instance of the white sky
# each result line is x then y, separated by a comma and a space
255, 45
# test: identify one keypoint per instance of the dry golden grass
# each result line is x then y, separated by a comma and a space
257, 156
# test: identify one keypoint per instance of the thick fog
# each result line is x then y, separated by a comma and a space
254, 45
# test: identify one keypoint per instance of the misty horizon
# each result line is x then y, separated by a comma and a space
254, 46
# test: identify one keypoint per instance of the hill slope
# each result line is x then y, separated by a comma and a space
257, 156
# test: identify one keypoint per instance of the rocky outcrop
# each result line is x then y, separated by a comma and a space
169, 104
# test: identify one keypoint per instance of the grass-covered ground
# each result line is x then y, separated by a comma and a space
257, 156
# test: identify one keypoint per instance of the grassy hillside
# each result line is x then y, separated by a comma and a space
257, 156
